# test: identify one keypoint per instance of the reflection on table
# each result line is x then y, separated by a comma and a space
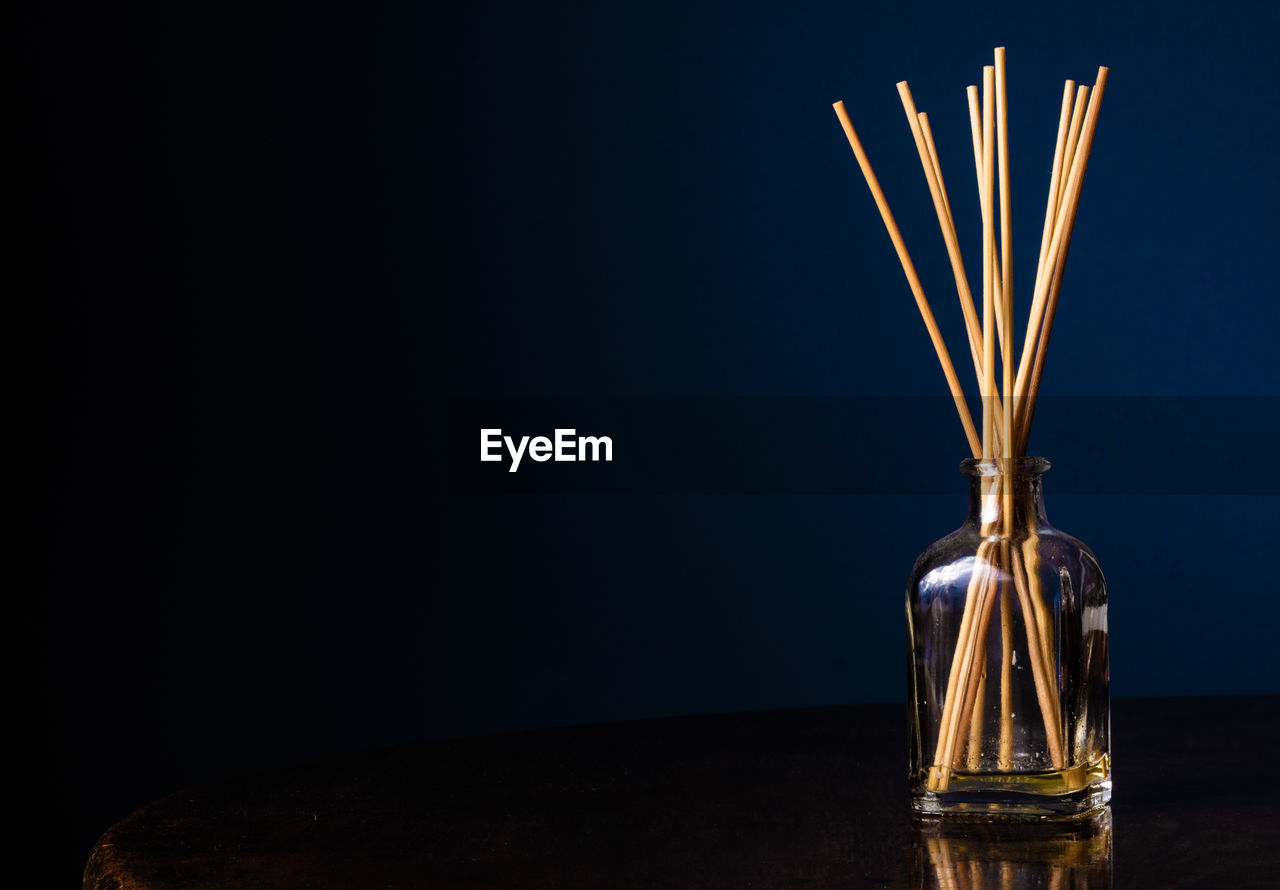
968, 855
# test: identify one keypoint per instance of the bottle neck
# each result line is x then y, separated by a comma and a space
1006, 502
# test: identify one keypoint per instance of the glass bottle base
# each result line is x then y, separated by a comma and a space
1070, 793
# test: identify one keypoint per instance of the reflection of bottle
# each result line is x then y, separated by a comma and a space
1007, 619
950, 855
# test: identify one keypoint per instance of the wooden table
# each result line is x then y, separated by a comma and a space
811, 798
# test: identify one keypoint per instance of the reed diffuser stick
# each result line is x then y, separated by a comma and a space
913, 280
975, 129
1029, 568
975, 126
1073, 135
1006, 237
1040, 293
1004, 755
927, 132
1066, 221
1004, 759
985, 600
988, 279
972, 326
1055, 175
973, 756
960, 686
1066, 216
942, 207
1048, 712
1042, 346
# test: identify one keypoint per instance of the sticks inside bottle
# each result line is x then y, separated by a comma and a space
1004, 568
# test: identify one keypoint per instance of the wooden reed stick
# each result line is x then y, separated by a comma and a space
958, 680
1073, 134
1029, 390
941, 206
985, 602
1048, 713
1042, 345
1046, 268
972, 326
976, 720
1004, 757
1030, 567
927, 132
1006, 256
973, 757
913, 280
975, 127
988, 242
1066, 216
975, 133
962, 691
958, 704
939, 776
1055, 175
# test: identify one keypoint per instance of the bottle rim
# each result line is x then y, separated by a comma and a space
1030, 465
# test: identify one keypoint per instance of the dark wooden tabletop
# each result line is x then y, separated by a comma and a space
812, 798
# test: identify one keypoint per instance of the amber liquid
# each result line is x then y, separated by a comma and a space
1063, 793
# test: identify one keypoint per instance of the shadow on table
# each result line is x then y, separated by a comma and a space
992, 856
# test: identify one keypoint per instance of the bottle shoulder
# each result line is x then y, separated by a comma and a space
1052, 546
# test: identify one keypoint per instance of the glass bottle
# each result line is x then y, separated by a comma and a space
1007, 625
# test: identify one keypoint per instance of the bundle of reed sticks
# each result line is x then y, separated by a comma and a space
1008, 405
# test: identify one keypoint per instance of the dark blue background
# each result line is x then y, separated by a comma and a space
265, 244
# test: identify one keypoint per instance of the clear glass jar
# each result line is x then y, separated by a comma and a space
1007, 624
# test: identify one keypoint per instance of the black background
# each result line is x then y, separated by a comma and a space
263, 245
